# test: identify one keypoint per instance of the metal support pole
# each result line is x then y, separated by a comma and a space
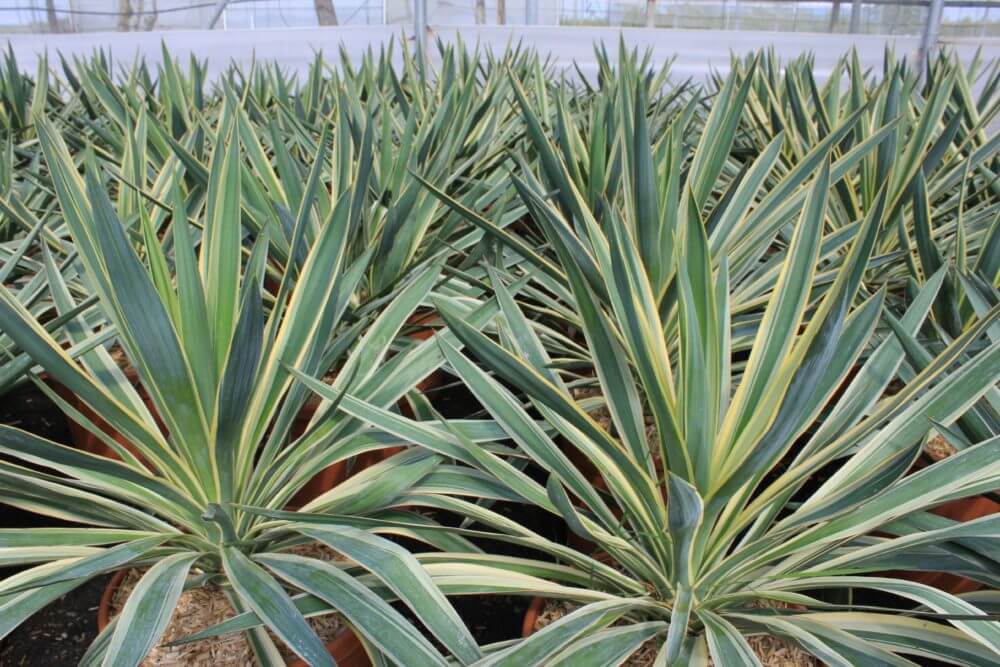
531, 12
932, 28
855, 16
420, 27
217, 9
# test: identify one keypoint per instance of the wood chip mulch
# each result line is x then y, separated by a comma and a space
770, 650
200, 608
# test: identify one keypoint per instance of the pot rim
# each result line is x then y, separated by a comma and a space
531, 615
107, 597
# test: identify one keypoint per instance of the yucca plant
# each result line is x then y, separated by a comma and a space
36, 263
936, 125
744, 160
962, 296
21, 96
198, 496
44, 287
154, 134
712, 525
774, 288
972, 249
650, 165
968, 275
385, 124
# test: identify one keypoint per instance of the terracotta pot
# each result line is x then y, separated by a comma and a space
336, 473
423, 322
326, 479
107, 597
964, 509
345, 648
959, 510
531, 616
86, 441
537, 605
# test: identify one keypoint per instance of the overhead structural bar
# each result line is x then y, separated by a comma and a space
217, 9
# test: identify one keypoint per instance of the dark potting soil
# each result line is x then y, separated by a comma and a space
452, 399
492, 618
29, 409
59, 634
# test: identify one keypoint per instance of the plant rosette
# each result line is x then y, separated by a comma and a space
201, 502
729, 518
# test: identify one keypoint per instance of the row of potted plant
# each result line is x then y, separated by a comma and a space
738, 339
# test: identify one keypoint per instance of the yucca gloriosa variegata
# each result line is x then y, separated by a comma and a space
718, 511
218, 355
744, 271
38, 266
938, 125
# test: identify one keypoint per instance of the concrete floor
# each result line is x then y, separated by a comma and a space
697, 51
